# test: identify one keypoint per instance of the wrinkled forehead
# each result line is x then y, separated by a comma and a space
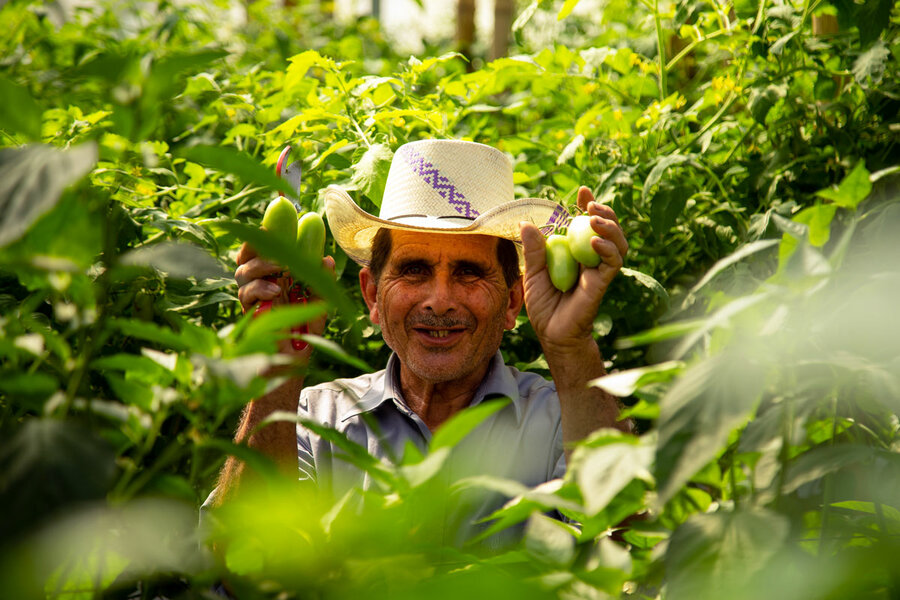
438, 247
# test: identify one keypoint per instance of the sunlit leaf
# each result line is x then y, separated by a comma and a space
624, 383
603, 471
370, 172
566, 9
853, 189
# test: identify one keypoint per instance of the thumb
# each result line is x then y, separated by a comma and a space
533, 248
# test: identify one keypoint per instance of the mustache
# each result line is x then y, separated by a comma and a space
442, 322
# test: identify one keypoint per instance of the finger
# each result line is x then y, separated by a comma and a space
257, 291
608, 252
245, 253
602, 210
610, 230
533, 248
585, 197
255, 268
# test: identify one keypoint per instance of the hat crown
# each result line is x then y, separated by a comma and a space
447, 182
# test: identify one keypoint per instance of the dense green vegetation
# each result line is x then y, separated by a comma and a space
750, 153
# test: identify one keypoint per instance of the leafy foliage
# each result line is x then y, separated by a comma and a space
750, 154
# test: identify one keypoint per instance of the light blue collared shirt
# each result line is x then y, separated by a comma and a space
521, 442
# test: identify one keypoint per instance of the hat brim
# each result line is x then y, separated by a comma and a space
354, 229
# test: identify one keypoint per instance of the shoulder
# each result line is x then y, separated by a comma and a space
531, 384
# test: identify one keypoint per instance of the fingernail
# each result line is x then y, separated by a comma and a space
272, 288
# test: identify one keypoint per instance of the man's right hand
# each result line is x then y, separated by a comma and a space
253, 288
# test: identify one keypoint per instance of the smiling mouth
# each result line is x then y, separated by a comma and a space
438, 334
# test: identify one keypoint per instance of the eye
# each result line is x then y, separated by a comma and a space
470, 271
413, 269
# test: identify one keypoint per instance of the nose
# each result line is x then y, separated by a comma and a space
439, 299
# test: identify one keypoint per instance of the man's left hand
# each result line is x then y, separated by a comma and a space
562, 321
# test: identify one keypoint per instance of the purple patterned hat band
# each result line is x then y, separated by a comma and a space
556, 220
439, 183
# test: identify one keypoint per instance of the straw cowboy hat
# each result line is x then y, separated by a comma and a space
442, 186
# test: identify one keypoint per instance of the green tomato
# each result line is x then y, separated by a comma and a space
580, 235
560, 263
281, 219
311, 237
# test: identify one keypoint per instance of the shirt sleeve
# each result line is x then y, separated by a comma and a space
306, 461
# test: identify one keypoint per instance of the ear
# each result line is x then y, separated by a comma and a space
369, 293
516, 298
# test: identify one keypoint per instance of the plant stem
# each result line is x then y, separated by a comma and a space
661, 53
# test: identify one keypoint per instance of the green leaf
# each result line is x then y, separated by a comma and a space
659, 169
603, 471
151, 332
818, 218
462, 423
699, 413
229, 160
853, 189
49, 465
646, 281
716, 555
31, 181
549, 540
525, 16
821, 461
660, 333
624, 383
19, 112
371, 171
570, 149
175, 259
667, 205
762, 102
566, 9
262, 330
335, 351
872, 16
353, 452
723, 263
313, 274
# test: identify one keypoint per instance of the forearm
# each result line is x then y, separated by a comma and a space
277, 440
584, 409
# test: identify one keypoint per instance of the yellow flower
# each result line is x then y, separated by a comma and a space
144, 188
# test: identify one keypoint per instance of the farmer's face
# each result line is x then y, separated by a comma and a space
442, 304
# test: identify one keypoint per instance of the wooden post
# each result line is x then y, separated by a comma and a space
465, 28
504, 11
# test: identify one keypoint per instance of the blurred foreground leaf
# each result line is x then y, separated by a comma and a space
229, 160
31, 180
18, 111
49, 465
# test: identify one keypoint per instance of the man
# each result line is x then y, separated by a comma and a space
441, 278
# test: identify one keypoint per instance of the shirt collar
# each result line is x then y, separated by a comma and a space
498, 383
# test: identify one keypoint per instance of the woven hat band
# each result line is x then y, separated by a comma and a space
446, 179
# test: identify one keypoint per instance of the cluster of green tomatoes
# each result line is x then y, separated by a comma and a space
566, 252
